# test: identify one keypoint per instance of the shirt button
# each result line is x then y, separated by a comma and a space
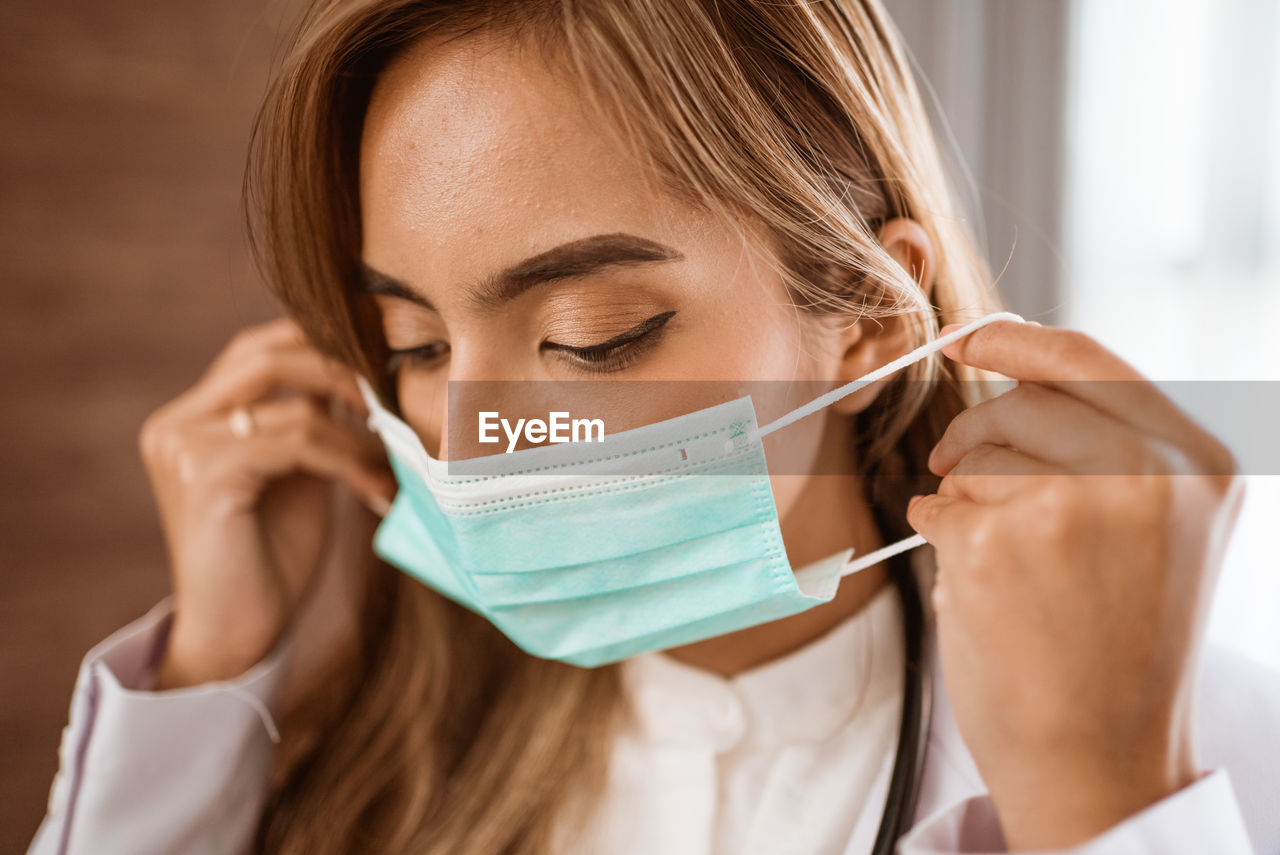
728, 722
728, 711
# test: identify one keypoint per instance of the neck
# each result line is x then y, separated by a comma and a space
810, 533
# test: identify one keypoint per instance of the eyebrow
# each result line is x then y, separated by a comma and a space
572, 260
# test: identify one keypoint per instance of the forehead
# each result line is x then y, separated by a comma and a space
474, 146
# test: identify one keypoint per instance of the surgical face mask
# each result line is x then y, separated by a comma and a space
589, 553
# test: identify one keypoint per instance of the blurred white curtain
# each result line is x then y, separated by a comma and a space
1173, 236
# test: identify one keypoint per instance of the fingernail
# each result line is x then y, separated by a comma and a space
1035, 323
912, 501
948, 328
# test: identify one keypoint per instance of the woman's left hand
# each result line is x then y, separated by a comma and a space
1079, 528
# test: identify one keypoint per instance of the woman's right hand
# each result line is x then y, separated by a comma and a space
245, 518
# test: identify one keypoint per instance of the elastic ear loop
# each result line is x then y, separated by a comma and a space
829, 398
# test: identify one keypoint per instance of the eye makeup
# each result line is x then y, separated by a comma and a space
616, 353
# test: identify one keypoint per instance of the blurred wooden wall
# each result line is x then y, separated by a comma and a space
123, 271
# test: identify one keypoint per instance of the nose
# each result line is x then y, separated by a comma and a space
482, 378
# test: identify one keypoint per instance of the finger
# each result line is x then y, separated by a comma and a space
1077, 365
265, 371
941, 520
1038, 353
990, 474
295, 433
1044, 424
277, 332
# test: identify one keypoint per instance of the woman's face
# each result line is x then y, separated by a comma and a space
474, 161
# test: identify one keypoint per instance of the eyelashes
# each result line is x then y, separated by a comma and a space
614, 354
618, 352
424, 356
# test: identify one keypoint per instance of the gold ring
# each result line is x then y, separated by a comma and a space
241, 422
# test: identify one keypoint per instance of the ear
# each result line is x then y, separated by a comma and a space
870, 343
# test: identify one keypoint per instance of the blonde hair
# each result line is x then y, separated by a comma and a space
437, 734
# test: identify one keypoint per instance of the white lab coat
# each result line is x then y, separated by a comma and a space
184, 771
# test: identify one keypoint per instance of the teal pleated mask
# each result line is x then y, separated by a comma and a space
588, 553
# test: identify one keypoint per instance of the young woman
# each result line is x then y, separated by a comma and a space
659, 190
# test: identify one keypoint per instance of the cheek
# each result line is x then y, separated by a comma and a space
424, 406
795, 454
760, 344
786, 490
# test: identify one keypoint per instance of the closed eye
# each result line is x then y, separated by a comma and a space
617, 352
613, 354
424, 356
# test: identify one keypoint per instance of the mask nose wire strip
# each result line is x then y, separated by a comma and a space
903, 361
